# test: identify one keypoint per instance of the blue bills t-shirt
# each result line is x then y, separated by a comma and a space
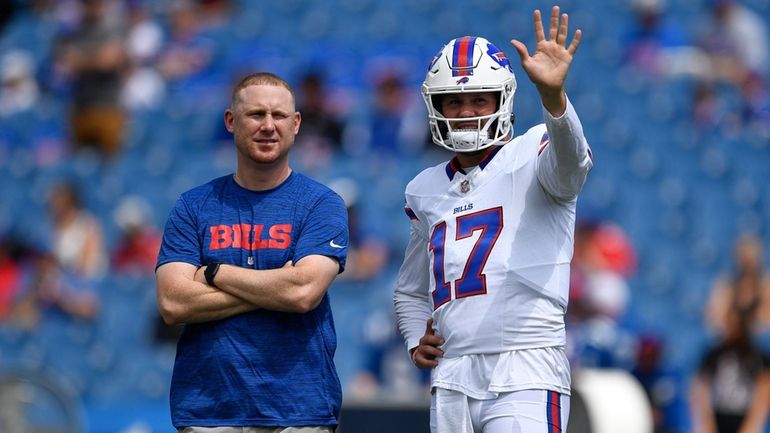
263, 368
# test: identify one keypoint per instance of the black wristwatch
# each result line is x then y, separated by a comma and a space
210, 272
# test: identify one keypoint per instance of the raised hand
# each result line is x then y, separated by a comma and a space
547, 68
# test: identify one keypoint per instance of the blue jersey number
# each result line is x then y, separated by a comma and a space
473, 281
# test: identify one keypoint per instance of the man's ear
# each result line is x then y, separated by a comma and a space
229, 120
297, 122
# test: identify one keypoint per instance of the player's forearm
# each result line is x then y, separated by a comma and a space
197, 302
566, 160
411, 314
287, 289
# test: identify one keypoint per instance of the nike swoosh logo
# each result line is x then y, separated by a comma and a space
334, 245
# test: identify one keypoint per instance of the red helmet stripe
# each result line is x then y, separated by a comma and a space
462, 56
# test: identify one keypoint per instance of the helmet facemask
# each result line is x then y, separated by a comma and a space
490, 129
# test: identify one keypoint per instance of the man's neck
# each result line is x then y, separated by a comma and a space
472, 159
261, 179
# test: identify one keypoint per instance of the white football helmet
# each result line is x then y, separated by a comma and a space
465, 65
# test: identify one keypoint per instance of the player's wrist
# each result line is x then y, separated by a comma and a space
210, 272
413, 355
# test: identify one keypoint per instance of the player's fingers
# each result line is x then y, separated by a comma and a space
429, 329
431, 340
425, 363
575, 42
553, 28
429, 351
561, 39
521, 49
539, 32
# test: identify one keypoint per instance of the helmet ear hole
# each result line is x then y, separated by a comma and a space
436, 101
443, 130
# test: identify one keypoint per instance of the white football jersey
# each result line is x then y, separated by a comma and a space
490, 249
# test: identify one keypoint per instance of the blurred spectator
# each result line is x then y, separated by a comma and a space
708, 110
54, 289
19, 90
395, 127
93, 57
11, 274
756, 103
660, 385
602, 260
748, 284
736, 40
137, 250
321, 131
187, 52
144, 87
78, 243
731, 390
387, 374
215, 14
367, 253
652, 38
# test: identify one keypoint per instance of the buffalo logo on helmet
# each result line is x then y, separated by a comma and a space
498, 56
435, 59
463, 80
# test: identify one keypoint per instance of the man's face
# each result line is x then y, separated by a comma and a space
467, 105
264, 122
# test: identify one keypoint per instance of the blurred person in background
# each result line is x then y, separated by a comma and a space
322, 126
735, 39
708, 110
137, 250
603, 259
144, 87
736, 43
367, 253
93, 58
188, 52
730, 392
390, 127
653, 39
19, 90
661, 385
755, 97
483, 288
53, 289
245, 265
746, 285
78, 239
599, 296
12, 273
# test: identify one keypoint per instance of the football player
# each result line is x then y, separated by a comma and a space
487, 264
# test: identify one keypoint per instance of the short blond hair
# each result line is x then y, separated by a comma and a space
260, 79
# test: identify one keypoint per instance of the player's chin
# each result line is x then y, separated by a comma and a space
268, 156
264, 158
